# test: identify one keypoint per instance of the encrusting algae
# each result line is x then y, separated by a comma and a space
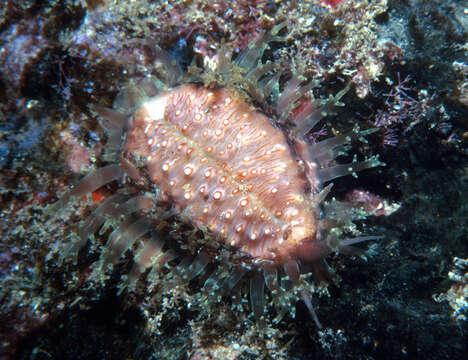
212, 174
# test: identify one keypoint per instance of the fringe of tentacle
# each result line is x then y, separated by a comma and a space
124, 214
126, 221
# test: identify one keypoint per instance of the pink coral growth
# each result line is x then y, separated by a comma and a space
373, 204
79, 155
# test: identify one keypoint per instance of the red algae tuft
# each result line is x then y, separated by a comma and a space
332, 3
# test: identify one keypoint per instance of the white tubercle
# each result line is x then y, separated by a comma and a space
156, 107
